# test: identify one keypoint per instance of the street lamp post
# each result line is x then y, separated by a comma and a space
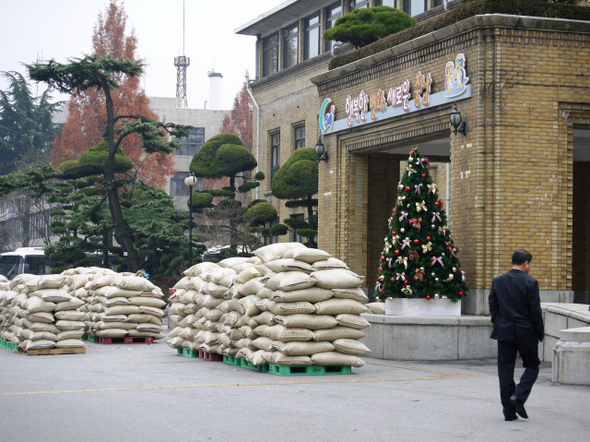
190, 181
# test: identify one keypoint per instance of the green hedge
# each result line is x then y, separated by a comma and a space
535, 8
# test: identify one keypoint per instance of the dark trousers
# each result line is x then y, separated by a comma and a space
526, 344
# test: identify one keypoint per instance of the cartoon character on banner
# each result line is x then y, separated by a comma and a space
327, 118
456, 78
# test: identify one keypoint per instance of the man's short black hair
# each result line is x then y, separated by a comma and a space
520, 257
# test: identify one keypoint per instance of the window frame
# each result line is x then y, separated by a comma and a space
330, 21
269, 47
299, 141
290, 34
296, 237
307, 38
275, 153
193, 142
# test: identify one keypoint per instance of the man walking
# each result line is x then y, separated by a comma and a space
515, 308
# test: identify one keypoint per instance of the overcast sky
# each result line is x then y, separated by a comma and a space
62, 29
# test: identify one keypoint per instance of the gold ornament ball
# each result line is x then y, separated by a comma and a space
436, 296
454, 269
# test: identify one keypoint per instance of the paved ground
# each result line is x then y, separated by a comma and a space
148, 393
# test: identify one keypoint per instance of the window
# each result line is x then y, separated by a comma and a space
296, 237
275, 154
390, 3
290, 46
177, 186
333, 12
274, 239
192, 143
299, 136
435, 3
270, 55
406, 7
418, 7
312, 37
358, 4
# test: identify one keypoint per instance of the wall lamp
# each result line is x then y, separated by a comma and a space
457, 122
320, 150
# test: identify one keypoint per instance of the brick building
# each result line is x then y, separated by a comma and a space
517, 179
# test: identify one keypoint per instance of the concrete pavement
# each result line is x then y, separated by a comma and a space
148, 393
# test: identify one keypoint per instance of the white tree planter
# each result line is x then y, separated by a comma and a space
422, 307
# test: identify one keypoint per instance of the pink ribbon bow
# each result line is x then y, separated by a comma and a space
439, 260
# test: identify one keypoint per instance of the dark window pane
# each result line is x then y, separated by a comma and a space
270, 55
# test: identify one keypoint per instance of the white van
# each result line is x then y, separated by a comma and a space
24, 260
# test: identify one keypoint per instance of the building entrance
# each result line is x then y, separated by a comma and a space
385, 170
581, 217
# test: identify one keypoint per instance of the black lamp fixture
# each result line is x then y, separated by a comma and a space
457, 122
320, 150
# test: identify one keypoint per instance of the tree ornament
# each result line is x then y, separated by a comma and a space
392, 279
433, 274
407, 188
419, 276
436, 279
406, 282
454, 269
402, 230
416, 241
382, 258
396, 252
428, 297
460, 293
423, 175
428, 238
436, 203
436, 296
411, 222
413, 255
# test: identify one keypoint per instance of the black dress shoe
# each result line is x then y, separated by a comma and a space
519, 406
511, 418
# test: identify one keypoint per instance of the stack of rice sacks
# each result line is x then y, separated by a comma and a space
38, 313
292, 306
203, 308
117, 304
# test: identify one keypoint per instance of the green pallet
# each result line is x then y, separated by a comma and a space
8, 345
308, 370
231, 360
89, 338
187, 352
245, 364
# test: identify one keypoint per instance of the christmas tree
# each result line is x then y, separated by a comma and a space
419, 259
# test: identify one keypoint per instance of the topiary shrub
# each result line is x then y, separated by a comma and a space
99, 155
361, 27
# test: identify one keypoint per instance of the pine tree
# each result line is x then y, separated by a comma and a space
419, 259
87, 111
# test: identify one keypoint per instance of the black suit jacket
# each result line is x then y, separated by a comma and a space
515, 306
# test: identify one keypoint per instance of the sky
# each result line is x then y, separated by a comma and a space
62, 29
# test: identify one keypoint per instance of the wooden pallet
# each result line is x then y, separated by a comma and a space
53, 351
